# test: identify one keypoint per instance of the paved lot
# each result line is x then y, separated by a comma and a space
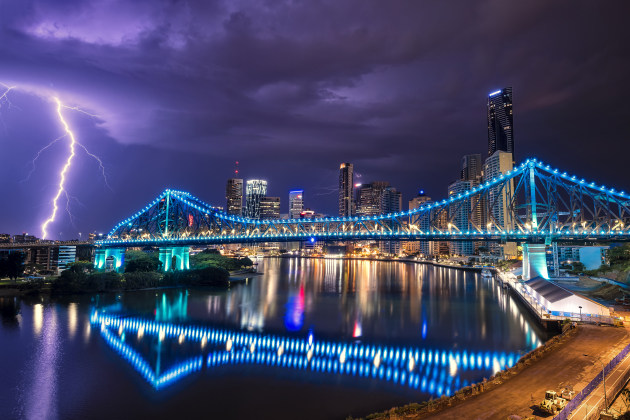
565, 365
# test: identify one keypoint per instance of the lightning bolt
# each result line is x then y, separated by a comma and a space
73, 144
39, 154
62, 176
3, 97
99, 161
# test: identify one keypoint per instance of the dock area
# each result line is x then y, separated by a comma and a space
552, 304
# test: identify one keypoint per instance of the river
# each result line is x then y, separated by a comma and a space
309, 339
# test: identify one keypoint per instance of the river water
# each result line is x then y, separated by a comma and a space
308, 339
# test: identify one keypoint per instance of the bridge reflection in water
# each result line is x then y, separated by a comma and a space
432, 371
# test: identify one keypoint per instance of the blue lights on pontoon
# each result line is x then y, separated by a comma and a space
432, 371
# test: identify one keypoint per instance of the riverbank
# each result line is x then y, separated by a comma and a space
22, 287
519, 390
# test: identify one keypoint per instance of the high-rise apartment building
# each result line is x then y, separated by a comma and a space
499, 199
346, 190
296, 203
471, 168
369, 199
391, 202
270, 208
500, 122
423, 247
255, 190
234, 196
458, 214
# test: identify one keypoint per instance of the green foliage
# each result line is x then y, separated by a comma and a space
141, 261
81, 267
211, 258
73, 281
577, 267
12, 265
207, 276
142, 279
619, 254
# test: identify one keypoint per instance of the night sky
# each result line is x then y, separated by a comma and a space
182, 89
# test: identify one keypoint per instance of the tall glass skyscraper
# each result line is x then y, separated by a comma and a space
255, 190
346, 189
500, 122
296, 203
234, 196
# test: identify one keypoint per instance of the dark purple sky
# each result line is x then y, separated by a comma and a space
291, 89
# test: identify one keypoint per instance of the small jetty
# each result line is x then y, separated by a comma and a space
552, 304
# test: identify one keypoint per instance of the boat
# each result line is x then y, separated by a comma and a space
486, 274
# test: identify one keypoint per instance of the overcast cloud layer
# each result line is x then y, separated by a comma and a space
182, 89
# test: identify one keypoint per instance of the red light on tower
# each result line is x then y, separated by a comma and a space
190, 219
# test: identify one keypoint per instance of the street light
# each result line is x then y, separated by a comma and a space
580, 313
603, 378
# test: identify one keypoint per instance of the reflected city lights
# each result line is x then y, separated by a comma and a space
38, 318
72, 319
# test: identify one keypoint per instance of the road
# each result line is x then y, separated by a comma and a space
564, 365
590, 405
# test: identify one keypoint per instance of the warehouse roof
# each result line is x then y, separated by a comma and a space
550, 291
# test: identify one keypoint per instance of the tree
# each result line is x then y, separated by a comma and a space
211, 258
141, 261
619, 254
12, 265
80, 267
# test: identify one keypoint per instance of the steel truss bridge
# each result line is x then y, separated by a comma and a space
532, 203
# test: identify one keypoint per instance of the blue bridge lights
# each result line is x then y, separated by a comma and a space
178, 218
433, 371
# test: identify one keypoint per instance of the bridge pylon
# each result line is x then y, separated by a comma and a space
535, 261
103, 254
175, 257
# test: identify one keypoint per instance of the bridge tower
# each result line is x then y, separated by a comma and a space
103, 254
180, 254
535, 261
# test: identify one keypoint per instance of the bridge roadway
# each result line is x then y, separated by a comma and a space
525, 237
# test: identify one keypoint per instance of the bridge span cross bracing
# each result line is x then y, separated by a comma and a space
532, 203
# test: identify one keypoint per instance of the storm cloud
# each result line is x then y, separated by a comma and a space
182, 89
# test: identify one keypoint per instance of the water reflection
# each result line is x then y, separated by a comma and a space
41, 395
426, 328
10, 312
431, 370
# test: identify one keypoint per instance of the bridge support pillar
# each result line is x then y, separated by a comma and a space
175, 258
103, 254
535, 261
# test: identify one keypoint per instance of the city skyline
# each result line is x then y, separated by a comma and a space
405, 115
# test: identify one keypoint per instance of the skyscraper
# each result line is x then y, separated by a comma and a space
270, 208
255, 190
423, 247
500, 122
346, 189
234, 196
296, 203
499, 200
471, 168
370, 198
391, 202
458, 214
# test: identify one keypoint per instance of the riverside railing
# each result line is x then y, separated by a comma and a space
583, 394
